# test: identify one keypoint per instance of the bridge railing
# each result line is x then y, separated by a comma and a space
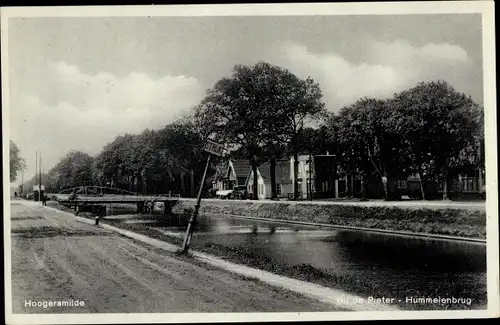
112, 197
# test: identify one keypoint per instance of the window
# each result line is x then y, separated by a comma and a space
469, 184
401, 183
278, 189
324, 186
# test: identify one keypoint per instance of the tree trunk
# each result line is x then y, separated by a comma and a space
348, 183
446, 187
365, 184
193, 192
387, 186
422, 188
295, 175
274, 194
183, 186
255, 180
386, 192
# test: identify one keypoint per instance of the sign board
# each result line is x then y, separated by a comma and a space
37, 187
214, 148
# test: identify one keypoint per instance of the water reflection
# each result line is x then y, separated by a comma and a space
328, 248
411, 253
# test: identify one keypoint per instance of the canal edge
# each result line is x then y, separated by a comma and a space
340, 227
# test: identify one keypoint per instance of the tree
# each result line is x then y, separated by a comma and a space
139, 158
368, 143
184, 149
442, 129
112, 165
240, 108
260, 109
298, 102
17, 163
74, 169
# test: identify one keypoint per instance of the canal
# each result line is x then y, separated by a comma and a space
368, 264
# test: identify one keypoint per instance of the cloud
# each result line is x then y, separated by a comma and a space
387, 68
135, 91
79, 111
444, 52
402, 52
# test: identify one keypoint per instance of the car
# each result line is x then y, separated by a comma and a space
240, 193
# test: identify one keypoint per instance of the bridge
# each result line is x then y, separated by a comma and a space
93, 199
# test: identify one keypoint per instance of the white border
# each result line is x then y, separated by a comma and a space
486, 8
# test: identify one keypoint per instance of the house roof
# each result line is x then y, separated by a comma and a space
265, 172
220, 170
241, 168
282, 172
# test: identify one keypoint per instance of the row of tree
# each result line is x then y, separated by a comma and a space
16, 162
154, 161
265, 113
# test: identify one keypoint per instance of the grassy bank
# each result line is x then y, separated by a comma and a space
468, 223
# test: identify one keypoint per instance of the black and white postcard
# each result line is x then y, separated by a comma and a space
246, 163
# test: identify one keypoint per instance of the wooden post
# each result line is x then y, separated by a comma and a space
40, 178
193, 190
36, 177
140, 207
480, 180
167, 207
336, 188
194, 215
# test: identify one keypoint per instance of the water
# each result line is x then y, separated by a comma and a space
400, 265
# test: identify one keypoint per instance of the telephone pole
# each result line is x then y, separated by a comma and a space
22, 181
36, 174
40, 178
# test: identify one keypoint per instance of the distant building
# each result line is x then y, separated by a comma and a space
323, 177
234, 175
284, 185
230, 175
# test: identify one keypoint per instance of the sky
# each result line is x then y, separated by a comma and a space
77, 83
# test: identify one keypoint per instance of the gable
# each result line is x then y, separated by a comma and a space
241, 168
230, 172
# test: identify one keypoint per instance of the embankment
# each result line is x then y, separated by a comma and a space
460, 222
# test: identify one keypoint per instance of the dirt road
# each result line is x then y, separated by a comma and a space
55, 258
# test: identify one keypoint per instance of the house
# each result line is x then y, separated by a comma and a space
305, 175
230, 175
284, 184
464, 187
322, 177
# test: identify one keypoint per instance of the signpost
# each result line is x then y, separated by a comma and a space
216, 149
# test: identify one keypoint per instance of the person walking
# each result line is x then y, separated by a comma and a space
44, 200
